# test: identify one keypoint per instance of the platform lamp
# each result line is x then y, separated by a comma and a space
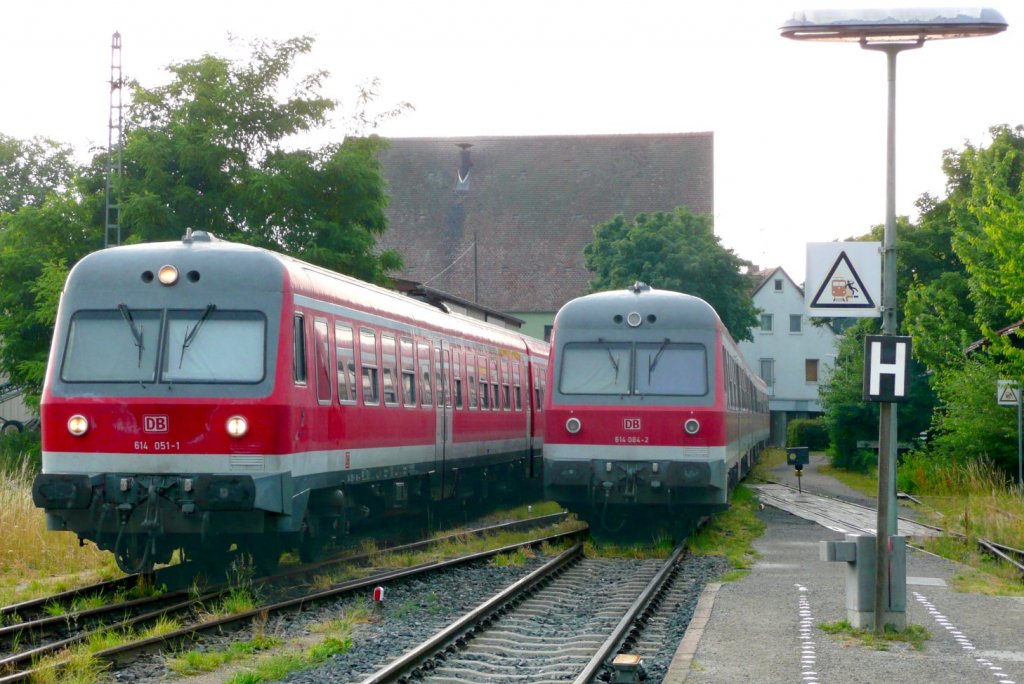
890, 31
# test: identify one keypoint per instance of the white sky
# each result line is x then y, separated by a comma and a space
799, 128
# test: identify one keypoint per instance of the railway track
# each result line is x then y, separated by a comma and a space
30, 637
846, 517
575, 618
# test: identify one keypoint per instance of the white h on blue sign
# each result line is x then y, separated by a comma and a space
886, 368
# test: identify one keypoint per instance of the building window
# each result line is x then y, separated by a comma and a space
795, 321
766, 323
768, 371
811, 370
778, 284
547, 332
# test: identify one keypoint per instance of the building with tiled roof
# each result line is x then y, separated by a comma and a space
502, 221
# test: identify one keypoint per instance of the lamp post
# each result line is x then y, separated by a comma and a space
890, 31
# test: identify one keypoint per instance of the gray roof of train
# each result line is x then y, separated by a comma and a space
112, 272
672, 310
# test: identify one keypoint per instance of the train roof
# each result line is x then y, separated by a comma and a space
613, 310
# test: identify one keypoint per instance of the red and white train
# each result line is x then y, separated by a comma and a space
652, 413
203, 394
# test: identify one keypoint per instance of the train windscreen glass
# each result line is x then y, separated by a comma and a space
112, 346
214, 346
595, 368
671, 369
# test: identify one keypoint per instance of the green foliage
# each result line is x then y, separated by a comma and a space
987, 205
35, 245
30, 170
972, 426
18, 447
673, 251
808, 432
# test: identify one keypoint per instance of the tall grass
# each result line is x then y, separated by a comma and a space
976, 500
33, 560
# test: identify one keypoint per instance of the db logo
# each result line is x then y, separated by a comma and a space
155, 423
631, 423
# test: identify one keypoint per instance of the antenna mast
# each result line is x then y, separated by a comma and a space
112, 237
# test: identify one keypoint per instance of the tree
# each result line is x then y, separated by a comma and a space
32, 169
35, 247
673, 251
209, 151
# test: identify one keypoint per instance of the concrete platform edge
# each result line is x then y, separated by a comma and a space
679, 668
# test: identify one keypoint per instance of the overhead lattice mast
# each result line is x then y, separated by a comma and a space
114, 136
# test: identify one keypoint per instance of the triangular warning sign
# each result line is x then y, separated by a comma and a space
842, 288
1009, 395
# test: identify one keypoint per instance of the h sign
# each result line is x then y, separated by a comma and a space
886, 368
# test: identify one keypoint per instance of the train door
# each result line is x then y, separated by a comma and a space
443, 395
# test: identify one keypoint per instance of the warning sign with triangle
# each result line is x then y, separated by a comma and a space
842, 288
1007, 392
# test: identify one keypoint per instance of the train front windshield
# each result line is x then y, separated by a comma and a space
171, 346
644, 368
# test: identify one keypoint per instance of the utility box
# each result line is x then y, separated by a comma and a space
858, 552
798, 456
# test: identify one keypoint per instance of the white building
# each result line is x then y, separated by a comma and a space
792, 355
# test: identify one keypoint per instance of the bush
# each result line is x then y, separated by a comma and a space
808, 432
856, 460
16, 447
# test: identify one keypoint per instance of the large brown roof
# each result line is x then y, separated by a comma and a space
532, 202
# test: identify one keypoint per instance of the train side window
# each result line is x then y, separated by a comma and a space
457, 376
408, 372
471, 378
485, 388
495, 398
298, 350
322, 341
506, 380
389, 364
440, 386
368, 359
517, 386
343, 345
426, 396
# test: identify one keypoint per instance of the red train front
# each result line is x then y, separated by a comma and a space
649, 404
204, 395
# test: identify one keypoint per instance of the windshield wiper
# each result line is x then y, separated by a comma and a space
615, 363
190, 333
654, 362
136, 332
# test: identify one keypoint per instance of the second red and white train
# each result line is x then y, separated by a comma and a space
651, 412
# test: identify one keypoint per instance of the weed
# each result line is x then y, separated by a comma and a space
914, 635
730, 533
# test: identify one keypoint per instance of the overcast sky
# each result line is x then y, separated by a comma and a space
799, 129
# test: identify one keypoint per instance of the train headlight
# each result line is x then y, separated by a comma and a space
237, 426
78, 425
692, 426
634, 319
168, 275
573, 425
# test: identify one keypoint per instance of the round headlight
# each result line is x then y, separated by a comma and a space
168, 275
573, 425
237, 426
634, 319
692, 426
78, 425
